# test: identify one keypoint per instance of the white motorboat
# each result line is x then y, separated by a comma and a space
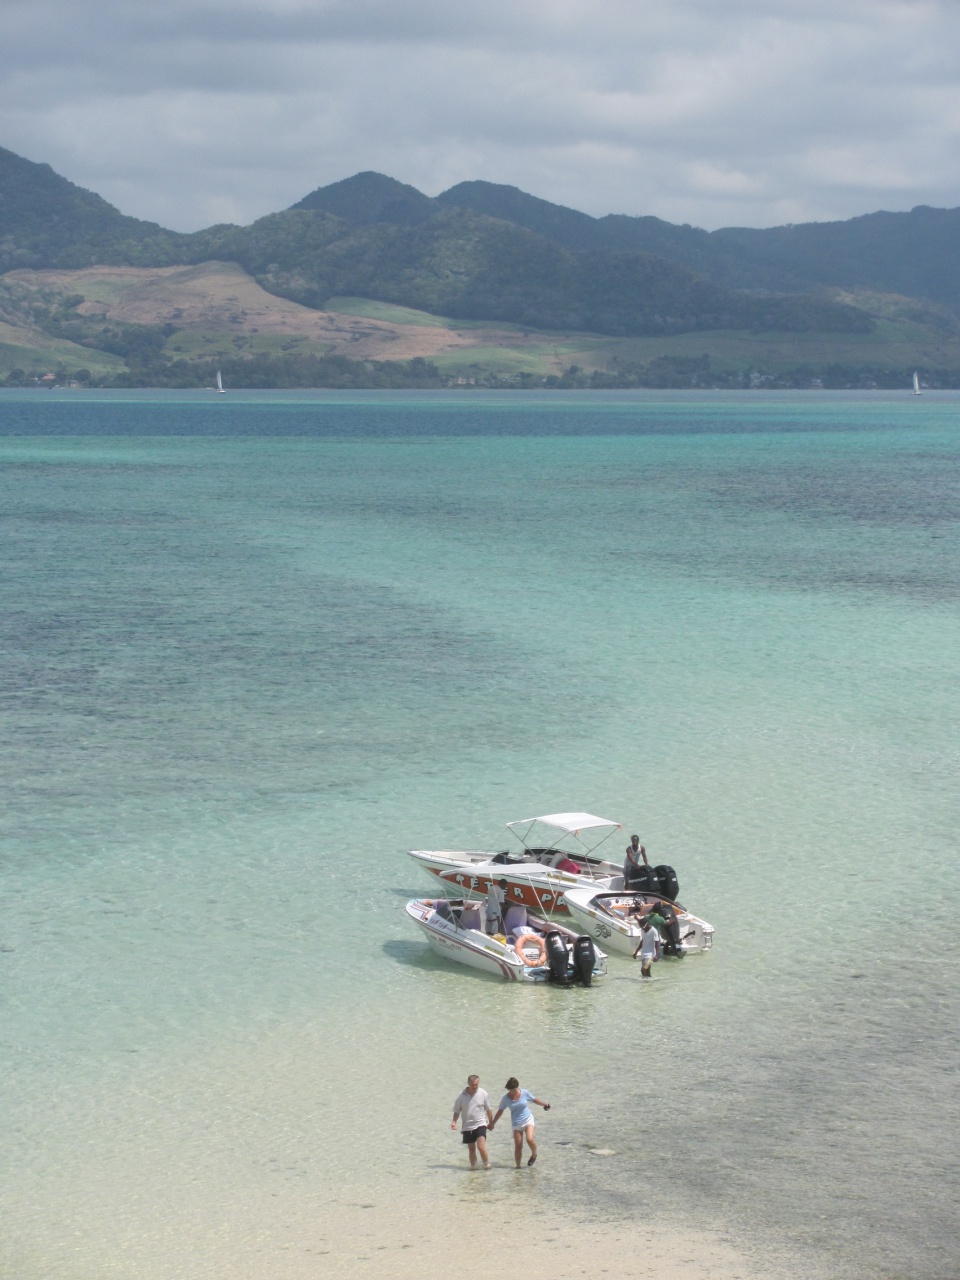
532, 951
613, 918
557, 852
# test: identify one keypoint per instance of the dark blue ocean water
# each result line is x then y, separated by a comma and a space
256, 646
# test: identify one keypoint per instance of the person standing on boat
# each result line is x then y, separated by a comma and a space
496, 897
517, 1101
473, 1108
636, 854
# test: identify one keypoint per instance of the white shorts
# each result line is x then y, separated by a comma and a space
647, 957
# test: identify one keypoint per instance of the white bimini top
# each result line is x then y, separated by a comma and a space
568, 825
571, 823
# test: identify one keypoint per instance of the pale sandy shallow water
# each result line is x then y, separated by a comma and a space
238, 669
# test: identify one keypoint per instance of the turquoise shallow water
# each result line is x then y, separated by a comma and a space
254, 650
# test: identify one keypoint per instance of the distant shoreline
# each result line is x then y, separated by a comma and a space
551, 385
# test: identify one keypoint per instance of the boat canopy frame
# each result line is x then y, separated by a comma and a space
569, 826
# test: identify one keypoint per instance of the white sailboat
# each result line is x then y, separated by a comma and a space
220, 382
916, 384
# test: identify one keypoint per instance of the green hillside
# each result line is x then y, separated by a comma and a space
46, 221
467, 265
368, 198
860, 296
915, 254
372, 237
174, 326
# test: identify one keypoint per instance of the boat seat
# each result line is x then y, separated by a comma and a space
515, 918
472, 917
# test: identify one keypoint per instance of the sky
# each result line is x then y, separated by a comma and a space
710, 112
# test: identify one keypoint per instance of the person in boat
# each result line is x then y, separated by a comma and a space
636, 856
473, 1108
496, 897
564, 863
517, 1101
664, 919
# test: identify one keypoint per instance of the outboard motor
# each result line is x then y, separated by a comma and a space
584, 959
558, 962
671, 928
669, 885
644, 880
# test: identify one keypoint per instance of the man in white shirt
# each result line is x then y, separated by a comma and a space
649, 947
473, 1108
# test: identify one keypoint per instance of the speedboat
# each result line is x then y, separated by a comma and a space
557, 852
533, 949
613, 918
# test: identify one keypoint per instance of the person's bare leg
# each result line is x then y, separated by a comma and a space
517, 1146
481, 1145
532, 1144
472, 1148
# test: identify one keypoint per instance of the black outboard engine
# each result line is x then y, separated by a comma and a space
643, 879
558, 962
669, 885
671, 930
584, 959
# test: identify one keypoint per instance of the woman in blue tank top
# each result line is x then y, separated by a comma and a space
517, 1102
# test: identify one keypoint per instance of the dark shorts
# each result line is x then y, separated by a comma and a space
471, 1135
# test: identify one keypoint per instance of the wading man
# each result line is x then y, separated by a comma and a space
473, 1108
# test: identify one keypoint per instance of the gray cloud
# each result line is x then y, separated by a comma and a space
740, 112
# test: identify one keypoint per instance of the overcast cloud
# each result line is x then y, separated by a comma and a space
713, 112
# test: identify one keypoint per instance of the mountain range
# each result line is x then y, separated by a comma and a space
915, 254
484, 252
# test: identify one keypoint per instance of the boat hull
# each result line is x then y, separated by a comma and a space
602, 917
537, 887
476, 950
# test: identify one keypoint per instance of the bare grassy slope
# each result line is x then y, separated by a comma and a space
220, 301
25, 348
216, 310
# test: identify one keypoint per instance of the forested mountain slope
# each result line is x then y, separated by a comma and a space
469, 266
486, 252
46, 221
916, 254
